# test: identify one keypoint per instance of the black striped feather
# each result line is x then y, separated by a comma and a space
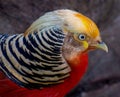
34, 61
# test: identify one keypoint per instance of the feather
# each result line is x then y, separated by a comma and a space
10, 89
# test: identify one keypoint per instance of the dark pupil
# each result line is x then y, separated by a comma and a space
82, 37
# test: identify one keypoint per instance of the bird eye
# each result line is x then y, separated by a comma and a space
82, 37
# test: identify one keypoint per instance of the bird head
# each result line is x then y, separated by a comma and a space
82, 34
83, 31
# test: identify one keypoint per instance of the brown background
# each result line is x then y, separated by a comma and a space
103, 76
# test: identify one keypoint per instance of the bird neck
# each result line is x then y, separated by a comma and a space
79, 66
78, 70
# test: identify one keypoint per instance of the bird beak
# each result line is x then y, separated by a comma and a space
102, 46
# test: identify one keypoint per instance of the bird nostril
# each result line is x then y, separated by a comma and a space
99, 42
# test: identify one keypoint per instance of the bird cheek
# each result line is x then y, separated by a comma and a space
85, 45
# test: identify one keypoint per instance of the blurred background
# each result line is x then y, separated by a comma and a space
103, 76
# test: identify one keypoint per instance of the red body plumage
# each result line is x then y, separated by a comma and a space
10, 89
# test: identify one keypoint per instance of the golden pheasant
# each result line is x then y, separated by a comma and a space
50, 57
